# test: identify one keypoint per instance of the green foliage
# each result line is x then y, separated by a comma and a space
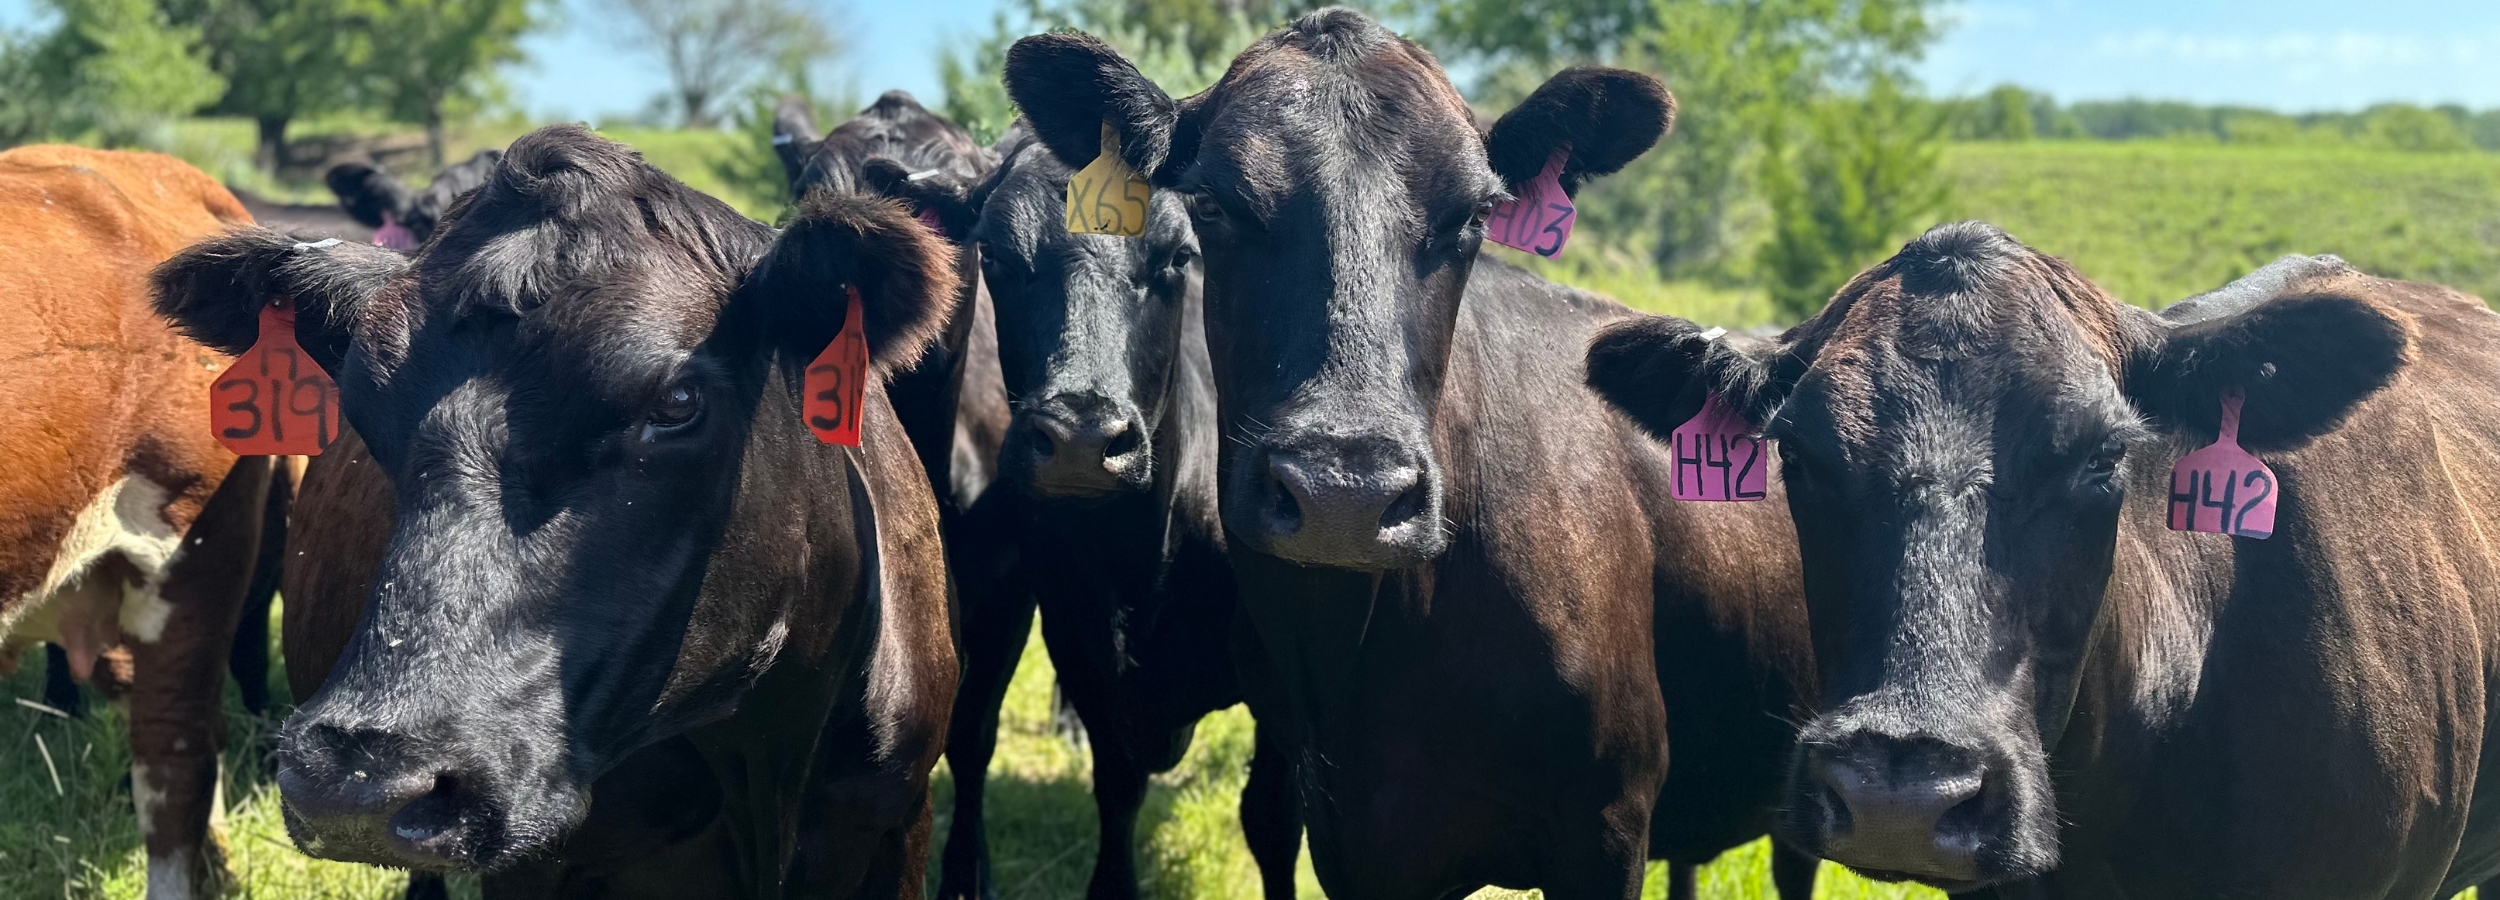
282, 59
1694, 205
1168, 50
747, 166
1863, 174
443, 52
116, 68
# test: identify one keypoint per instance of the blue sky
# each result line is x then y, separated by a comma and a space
2293, 55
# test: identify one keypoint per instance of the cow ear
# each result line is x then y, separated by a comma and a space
366, 191
838, 241
933, 196
1606, 118
1659, 369
1071, 85
213, 292
794, 134
2303, 362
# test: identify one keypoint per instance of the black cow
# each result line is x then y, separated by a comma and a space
1113, 450
1484, 622
397, 217
2032, 686
619, 555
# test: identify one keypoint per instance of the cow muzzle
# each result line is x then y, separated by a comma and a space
361, 793
1083, 446
1953, 814
1366, 502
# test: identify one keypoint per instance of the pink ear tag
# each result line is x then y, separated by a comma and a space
1539, 219
2221, 489
394, 236
1718, 456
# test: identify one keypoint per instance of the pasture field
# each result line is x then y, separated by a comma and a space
81, 842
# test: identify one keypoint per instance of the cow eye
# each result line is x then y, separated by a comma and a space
678, 406
1181, 258
2104, 460
1207, 209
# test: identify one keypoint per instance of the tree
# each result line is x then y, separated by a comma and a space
1866, 172
441, 52
1736, 66
712, 48
282, 60
1180, 51
114, 67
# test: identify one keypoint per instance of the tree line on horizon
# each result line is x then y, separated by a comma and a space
1804, 148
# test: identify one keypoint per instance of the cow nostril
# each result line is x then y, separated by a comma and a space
1408, 504
1286, 513
1125, 439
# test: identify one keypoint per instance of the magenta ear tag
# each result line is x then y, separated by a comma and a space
2221, 489
1539, 218
1718, 456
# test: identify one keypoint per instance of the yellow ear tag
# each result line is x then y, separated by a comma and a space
1107, 198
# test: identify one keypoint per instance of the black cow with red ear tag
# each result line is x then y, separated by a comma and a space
626, 624
1482, 625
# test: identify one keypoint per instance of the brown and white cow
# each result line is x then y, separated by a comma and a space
633, 629
2033, 687
127, 534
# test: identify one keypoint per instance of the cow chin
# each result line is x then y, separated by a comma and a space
357, 793
1900, 798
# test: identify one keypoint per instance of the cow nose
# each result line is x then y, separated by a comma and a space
1086, 452
1908, 807
1366, 508
363, 794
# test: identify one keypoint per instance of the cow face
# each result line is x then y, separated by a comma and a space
1089, 329
1958, 432
610, 518
896, 127
1340, 187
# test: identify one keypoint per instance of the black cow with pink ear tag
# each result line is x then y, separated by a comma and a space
2059, 550
1475, 602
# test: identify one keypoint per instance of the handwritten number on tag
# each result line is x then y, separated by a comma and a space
2221, 489
837, 381
274, 400
1106, 197
1539, 219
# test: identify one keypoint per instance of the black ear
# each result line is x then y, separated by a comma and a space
935, 192
213, 291
794, 134
905, 276
366, 191
2303, 361
1069, 85
1658, 369
1608, 117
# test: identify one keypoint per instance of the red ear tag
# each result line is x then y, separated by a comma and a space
2222, 489
1539, 219
1717, 456
274, 400
837, 382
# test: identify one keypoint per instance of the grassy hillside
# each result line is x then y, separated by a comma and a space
2156, 222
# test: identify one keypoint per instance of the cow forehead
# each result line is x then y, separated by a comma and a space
1964, 343
1380, 108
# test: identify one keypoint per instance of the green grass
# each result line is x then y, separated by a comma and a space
82, 842
2155, 222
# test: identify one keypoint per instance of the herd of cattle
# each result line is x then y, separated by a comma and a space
579, 598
